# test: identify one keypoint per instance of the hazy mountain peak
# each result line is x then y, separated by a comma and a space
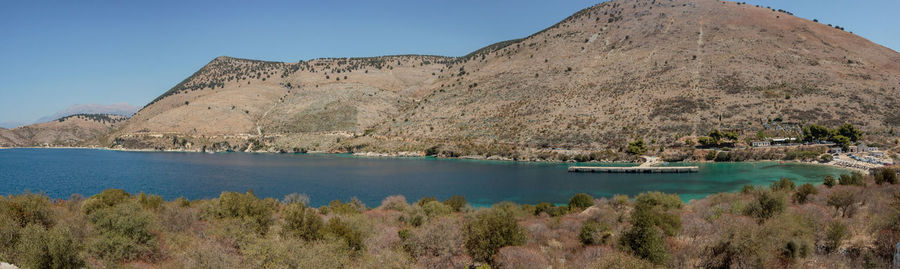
124, 109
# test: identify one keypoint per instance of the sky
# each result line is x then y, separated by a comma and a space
54, 54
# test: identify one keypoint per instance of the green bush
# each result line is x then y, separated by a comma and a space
434, 208
246, 207
843, 201
26, 209
652, 214
619, 201
425, 200
829, 181
783, 184
351, 236
803, 193
340, 208
885, 175
456, 202
107, 198
580, 201
151, 202
124, 233
636, 147
834, 235
594, 233
795, 249
301, 222
542, 207
489, 230
56, 248
855, 179
647, 242
766, 205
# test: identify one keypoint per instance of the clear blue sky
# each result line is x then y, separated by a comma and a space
57, 53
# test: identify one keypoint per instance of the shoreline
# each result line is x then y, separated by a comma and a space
376, 155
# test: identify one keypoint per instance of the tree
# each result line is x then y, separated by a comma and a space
707, 141
783, 184
850, 132
829, 181
816, 132
580, 201
842, 201
636, 147
842, 141
803, 193
489, 230
885, 175
650, 216
456, 202
301, 222
767, 205
855, 178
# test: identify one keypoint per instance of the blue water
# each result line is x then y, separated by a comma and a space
325, 177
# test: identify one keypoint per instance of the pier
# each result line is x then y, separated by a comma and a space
635, 169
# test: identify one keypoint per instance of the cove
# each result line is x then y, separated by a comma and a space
325, 177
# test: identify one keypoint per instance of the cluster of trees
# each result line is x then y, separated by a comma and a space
716, 138
842, 136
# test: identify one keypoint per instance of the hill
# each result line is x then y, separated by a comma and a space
73, 130
611, 73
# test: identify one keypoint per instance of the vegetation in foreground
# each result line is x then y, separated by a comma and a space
851, 221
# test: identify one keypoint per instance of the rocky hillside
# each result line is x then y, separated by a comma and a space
617, 71
74, 130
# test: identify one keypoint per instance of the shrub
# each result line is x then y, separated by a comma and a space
151, 202
124, 233
456, 202
651, 214
636, 147
803, 193
795, 249
766, 205
542, 207
246, 207
580, 201
425, 200
436, 243
107, 198
28, 208
855, 178
175, 218
341, 208
885, 175
652, 208
826, 158
396, 202
842, 201
834, 235
352, 236
435, 208
783, 184
489, 230
295, 198
647, 242
301, 222
56, 248
619, 201
594, 233
829, 181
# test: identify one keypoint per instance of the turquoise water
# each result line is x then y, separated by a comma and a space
325, 177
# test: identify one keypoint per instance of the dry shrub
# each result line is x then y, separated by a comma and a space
435, 244
207, 254
292, 253
521, 258
177, 219
396, 202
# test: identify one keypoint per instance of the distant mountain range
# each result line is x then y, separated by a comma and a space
123, 109
611, 73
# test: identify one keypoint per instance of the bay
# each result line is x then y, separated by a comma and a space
325, 177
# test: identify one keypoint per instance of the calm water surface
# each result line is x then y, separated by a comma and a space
325, 177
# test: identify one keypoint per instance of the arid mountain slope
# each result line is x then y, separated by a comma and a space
613, 72
74, 130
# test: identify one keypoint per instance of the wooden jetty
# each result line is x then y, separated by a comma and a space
635, 169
